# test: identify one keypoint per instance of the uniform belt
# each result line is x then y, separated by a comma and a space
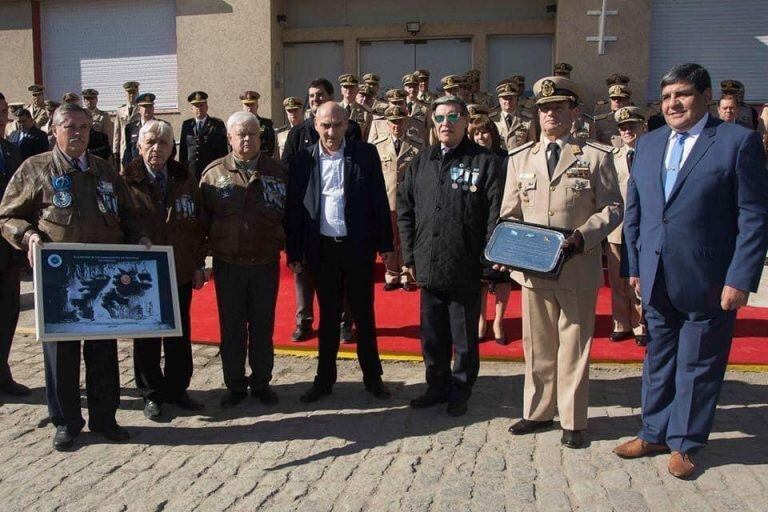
336, 239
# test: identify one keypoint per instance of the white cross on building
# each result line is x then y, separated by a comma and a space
601, 38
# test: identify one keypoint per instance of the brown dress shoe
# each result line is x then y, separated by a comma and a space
638, 448
681, 465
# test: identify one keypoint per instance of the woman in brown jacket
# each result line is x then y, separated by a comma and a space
166, 198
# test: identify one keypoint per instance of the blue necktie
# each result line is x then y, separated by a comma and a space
162, 183
675, 159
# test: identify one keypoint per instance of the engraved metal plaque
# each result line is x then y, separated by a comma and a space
526, 247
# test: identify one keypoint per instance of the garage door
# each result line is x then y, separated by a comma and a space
102, 44
306, 61
730, 39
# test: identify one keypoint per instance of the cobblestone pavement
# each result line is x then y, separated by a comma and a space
352, 452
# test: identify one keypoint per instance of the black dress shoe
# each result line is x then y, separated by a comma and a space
378, 390
456, 408
314, 394
231, 399
620, 335
301, 333
13, 388
185, 402
266, 395
114, 433
641, 340
390, 287
527, 426
432, 396
345, 334
152, 410
63, 440
572, 438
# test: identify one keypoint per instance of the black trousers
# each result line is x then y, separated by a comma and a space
246, 296
170, 382
305, 296
338, 267
449, 327
62, 383
9, 316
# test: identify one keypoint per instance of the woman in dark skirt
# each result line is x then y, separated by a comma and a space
484, 132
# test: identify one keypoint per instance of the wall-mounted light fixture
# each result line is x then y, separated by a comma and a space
413, 27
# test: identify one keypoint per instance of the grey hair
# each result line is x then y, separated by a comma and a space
68, 109
242, 117
451, 100
159, 128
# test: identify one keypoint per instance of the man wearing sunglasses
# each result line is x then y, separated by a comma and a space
447, 207
567, 183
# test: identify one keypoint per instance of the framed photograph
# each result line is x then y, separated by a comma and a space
102, 291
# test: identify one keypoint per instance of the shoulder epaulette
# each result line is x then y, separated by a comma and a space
381, 138
518, 149
282, 128
600, 117
602, 147
415, 138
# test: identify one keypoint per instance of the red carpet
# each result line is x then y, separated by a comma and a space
397, 319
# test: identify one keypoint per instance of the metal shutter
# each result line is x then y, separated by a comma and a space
730, 39
102, 44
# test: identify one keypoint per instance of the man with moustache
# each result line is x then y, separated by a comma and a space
337, 220
447, 207
203, 137
566, 183
243, 200
10, 262
68, 195
696, 234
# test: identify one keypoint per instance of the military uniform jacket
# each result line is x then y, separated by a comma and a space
245, 214
39, 114
171, 219
583, 194
197, 150
515, 134
427, 97
124, 115
621, 164
482, 98
102, 122
413, 128
394, 165
281, 135
360, 114
10, 160
606, 127
98, 209
444, 229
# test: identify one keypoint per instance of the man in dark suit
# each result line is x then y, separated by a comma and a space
304, 135
696, 231
203, 138
337, 219
10, 261
146, 104
299, 138
30, 139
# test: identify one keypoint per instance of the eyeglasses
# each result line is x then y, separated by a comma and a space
451, 118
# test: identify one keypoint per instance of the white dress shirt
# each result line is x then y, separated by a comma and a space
332, 193
693, 135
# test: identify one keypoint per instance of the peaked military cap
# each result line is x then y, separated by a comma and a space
365, 90
616, 78
292, 102
131, 86
36, 89
629, 115
555, 88
70, 97
410, 79
371, 78
619, 91
473, 75
198, 97
90, 93
146, 99
453, 81
731, 86
475, 110
396, 95
508, 89
421, 74
395, 112
51, 105
249, 97
562, 69
348, 79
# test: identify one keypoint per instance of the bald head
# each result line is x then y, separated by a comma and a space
331, 123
